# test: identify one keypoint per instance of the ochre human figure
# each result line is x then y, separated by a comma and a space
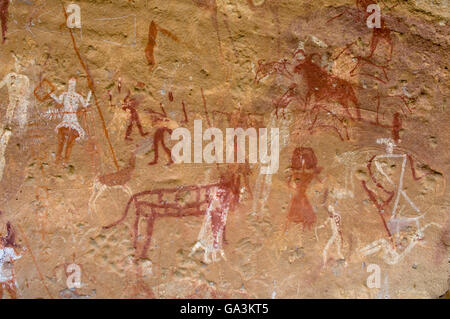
69, 129
130, 104
8, 255
304, 169
163, 125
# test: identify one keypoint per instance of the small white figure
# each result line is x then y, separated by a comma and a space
7, 256
334, 220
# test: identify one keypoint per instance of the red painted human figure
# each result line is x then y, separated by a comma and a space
378, 33
158, 139
163, 125
130, 104
304, 169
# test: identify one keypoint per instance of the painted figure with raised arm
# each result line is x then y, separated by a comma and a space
396, 224
69, 130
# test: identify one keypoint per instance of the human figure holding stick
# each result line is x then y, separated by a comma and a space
69, 130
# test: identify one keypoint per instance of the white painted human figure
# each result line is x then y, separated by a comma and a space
396, 222
334, 221
263, 182
19, 101
7, 277
390, 145
19, 97
281, 119
212, 241
69, 129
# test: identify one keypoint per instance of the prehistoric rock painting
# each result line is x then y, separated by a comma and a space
69, 129
4, 15
112, 180
212, 201
397, 223
380, 33
336, 238
321, 86
8, 254
19, 104
151, 43
19, 96
130, 104
357, 92
304, 170
163, 127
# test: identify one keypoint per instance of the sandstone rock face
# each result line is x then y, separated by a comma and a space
95, 205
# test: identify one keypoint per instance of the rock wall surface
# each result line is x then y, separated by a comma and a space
95, 96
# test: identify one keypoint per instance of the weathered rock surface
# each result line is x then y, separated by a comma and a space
358, 207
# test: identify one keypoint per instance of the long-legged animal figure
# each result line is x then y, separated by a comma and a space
325, 86
213, 201
112, 180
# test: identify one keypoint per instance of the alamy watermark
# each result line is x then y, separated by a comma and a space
73, 16
373, 20
213, 152
374, 279
74, 276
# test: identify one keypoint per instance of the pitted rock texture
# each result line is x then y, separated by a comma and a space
359, 204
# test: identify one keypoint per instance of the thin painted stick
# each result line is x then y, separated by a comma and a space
34, 260
91, 87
